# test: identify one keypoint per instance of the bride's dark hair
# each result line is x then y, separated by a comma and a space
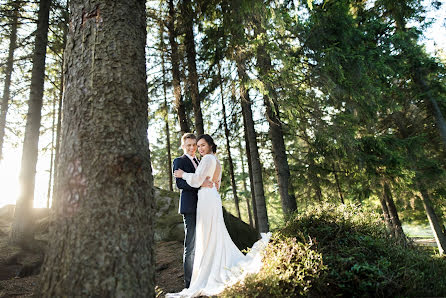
208, 140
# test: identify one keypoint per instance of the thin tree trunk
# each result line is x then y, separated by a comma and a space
228, 146
315, 180
275, 131
188, 23
102, 230
434, 222
257, 179
338, 184
176, 75
439, 119
21, 230
419, 75
394, 218
245, 187
8, 72
386, 215
166, 108
53, 128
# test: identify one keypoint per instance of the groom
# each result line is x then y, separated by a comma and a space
188, 200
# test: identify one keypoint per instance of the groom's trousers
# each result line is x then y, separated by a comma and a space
189, 246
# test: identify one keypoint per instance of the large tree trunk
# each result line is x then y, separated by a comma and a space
21, 230
8, 72
176, 75
275, 131
394, 218
188, 23
434, 222
228, 146
166, 108
102, 236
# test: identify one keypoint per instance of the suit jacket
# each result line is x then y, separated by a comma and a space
189, 194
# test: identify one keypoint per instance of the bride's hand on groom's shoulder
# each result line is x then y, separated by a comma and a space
178, 173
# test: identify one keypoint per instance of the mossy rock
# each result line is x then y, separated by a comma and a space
169, 224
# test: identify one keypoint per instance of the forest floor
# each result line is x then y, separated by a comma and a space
168, 275
168, 255
168, 272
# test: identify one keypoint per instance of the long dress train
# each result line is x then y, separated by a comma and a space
218, 262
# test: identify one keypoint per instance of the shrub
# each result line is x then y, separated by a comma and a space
342, 250
290, 269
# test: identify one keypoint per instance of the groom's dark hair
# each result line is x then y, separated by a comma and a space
187, 135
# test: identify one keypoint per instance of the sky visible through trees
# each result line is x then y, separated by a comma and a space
433, 38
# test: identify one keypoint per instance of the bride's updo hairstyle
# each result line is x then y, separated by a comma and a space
208, 140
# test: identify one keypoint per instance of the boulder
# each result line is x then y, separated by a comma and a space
169, 224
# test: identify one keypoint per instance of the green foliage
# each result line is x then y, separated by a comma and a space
291, 269
342, 251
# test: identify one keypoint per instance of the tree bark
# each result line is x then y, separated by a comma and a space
257, 179
8, 72
262, 223
188, 23
21, 230
59, 110
228, 146
439, 119
419, 74
53, 128
338, 184
245, 187
102, 230
275, 131
166, 108
394, 218
176, 75
386, 215
434, 222
314, 179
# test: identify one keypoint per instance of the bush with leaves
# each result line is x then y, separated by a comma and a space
290, 269
342, 250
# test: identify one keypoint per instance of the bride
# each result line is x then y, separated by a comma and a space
218, 262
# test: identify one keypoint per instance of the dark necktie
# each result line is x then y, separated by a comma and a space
195, 161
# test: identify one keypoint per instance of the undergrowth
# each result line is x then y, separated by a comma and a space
342, 250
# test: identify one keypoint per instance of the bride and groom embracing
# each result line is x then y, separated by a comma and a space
211, 259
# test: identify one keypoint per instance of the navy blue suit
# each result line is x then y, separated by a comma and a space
188, 208
189, 194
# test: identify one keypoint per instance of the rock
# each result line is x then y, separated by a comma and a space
169, 224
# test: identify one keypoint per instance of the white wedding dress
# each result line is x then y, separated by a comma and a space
218, 262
